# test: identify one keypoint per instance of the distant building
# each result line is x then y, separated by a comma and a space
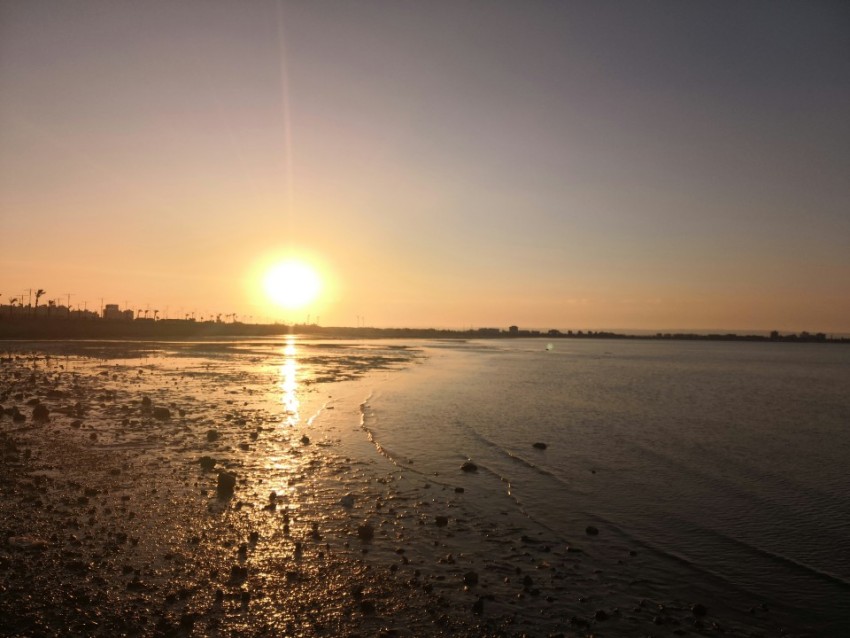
111, 311
514, 330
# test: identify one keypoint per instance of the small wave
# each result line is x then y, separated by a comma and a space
786, 560
514, 457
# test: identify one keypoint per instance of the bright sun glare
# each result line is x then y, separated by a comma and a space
292, 284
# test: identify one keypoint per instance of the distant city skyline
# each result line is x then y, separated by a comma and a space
607, 165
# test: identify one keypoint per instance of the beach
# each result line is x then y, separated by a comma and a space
250, 487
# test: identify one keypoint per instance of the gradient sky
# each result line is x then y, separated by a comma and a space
630, 165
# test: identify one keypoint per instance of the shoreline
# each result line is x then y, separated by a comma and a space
41, 328
111, 526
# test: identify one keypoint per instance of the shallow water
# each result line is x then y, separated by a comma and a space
725, 464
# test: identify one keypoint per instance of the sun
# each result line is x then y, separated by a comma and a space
292, 284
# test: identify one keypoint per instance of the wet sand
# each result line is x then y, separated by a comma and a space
113, 521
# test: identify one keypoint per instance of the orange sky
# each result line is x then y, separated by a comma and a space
552, 165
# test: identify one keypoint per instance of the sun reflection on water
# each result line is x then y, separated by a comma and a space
289, 383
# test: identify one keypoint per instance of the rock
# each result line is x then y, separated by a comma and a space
601, 615
540, 446
590, 530
367, 607
469, 466
76, 424
305, 440
699, 610
40, 413
441, 521
146, 401
470, 578
163, 414
207, 463
226, 484
187, 622
459, 490
347, 501
366, 532
478, 607
212, 435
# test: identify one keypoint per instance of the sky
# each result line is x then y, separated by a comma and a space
478, 163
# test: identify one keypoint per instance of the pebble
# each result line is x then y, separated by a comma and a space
469, 466
540, 446
590, 530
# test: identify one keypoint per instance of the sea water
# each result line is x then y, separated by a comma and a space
725, 465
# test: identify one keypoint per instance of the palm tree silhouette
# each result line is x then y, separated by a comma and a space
38, 293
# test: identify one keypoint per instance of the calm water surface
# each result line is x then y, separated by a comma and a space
724, 464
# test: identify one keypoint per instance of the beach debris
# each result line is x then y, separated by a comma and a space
28, 543
207, 463
163, 414
40, 412
590, 530
226, 484
212, 435
347, 501
469, 466
366, 532
539, 446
